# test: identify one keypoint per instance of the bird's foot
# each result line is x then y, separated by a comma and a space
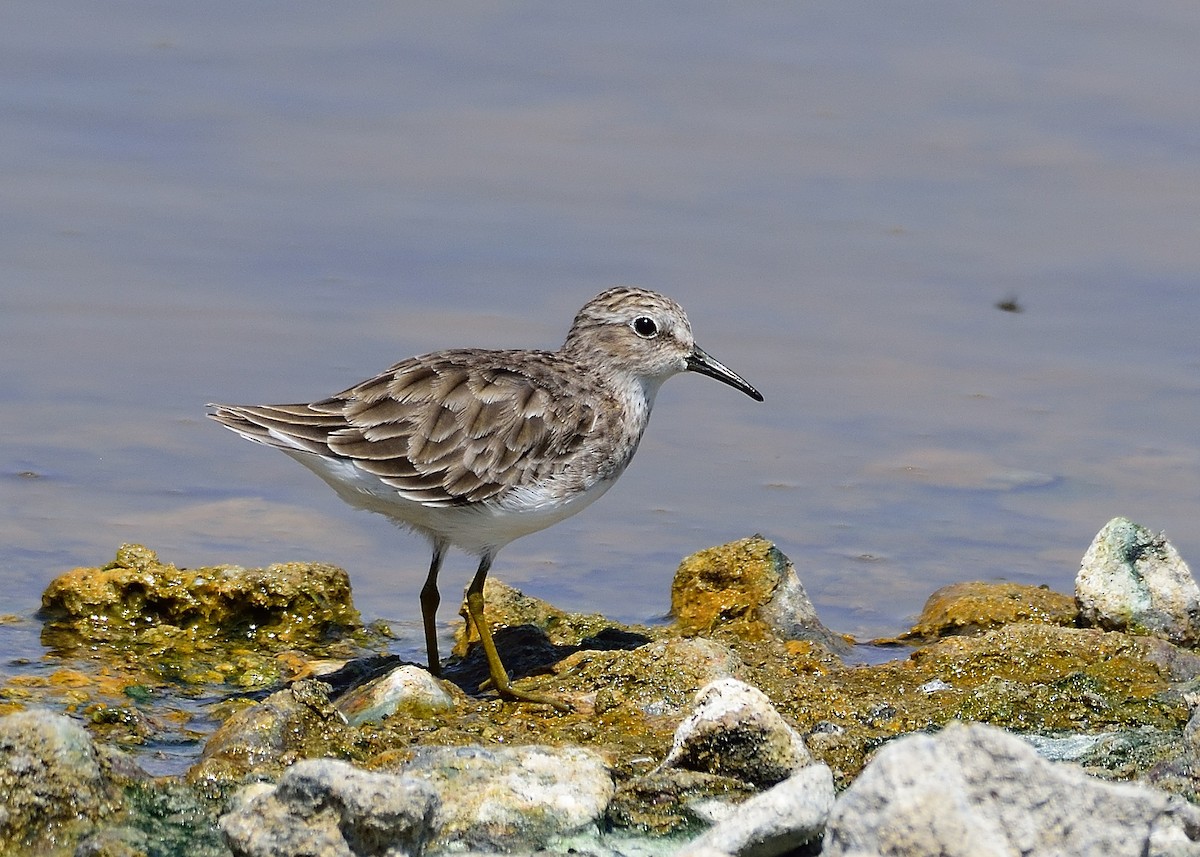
507, 691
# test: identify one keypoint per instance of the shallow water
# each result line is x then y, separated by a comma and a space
217, 204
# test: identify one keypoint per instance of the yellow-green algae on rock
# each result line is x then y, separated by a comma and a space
1026, 677
975, 605
205, 625
628, 698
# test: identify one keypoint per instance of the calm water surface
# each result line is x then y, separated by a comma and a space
232, 202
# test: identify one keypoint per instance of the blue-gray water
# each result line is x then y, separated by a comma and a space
268, 202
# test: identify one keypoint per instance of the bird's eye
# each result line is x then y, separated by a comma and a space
645, 327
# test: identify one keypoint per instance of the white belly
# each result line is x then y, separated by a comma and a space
475, 529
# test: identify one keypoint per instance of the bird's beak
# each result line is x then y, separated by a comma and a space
704, 363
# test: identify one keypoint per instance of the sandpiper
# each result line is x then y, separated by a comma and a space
474, 448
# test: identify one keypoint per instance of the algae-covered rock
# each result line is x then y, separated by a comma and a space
160, 625
407, 690
52, 781
658, 679
1022, 676
671, 800
533, 635
138, 599
750, 588
266, 737
973, 606
1132, 579
507, 606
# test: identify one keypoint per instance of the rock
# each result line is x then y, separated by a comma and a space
976, 790
508, 606
220, 625
510, 798
52, 782
659, 679
974, 606
672, 800
1134, 580
735, 731
268, 736
742, 584
115, 842
329, 808
777, 821
534, 636
280, 606
407, 689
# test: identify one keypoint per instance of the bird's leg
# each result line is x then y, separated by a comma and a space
495, 667
430, 598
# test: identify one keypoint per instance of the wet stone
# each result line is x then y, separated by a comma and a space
510, 798
407, 690
281, 606
329, 807
266, 737
52, 781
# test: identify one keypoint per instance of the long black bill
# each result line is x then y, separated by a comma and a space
704, 363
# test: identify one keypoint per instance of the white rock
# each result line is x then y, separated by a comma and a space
329, 808
735, 731
408, 688
511, 798
976, 791
1132, 579
777, 821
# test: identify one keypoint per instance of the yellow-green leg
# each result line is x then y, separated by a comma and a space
495, 667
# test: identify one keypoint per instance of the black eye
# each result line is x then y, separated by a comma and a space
645, 327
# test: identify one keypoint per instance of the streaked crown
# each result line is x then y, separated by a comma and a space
646, 333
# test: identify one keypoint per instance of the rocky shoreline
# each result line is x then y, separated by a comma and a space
1013, 720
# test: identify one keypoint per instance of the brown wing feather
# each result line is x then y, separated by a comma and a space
450, 428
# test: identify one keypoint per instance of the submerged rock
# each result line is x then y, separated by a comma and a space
1134, 580
975, 790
